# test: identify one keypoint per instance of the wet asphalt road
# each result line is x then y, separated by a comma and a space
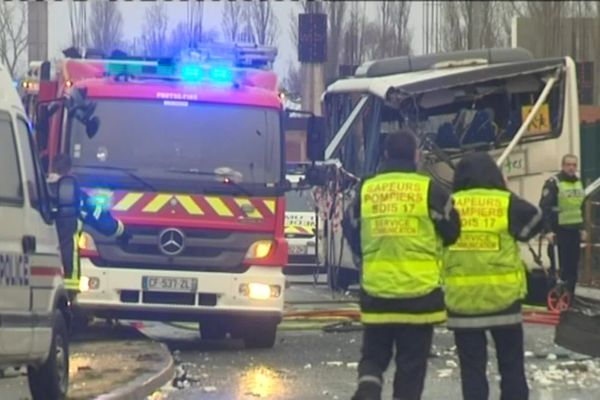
313, 364
317, 365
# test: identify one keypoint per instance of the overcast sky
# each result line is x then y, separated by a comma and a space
133, 16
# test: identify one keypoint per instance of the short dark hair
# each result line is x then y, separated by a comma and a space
564, 158
62, 164
401, 145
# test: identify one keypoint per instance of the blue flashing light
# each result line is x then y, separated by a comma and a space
221, 75
206, 73
192, 73
101, 199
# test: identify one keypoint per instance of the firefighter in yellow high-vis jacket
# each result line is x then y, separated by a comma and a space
398, 225
485, 277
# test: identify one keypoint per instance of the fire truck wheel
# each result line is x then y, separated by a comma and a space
258, 333
51, 379
212, 330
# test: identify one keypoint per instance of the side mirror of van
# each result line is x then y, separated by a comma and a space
68, 197
315, 138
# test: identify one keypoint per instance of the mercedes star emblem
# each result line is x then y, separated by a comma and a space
171, 241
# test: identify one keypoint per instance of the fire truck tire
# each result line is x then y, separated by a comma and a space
258, 333
80, 322
50, 381
213, 330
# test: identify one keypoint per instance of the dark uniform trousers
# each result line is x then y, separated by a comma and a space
471, 346
569, 253
412, 344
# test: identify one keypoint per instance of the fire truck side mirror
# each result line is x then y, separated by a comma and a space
315, 138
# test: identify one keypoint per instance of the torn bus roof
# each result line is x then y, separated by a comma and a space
436, 79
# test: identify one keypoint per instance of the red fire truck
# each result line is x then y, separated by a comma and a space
189, 154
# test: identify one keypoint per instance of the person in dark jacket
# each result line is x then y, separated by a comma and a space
562, 203
397, 227
485, 277
69, 228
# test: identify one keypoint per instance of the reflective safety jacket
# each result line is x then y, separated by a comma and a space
401, 250
483, 270
570, 200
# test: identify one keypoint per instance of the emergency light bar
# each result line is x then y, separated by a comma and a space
212, 62
250, 56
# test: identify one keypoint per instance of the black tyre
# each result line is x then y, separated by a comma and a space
81, 322
258, 333
213, 329
50, 381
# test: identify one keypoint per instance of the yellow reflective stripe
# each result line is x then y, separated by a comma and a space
158, 203
245, 202
270, 205
127, 201
502, 279
297, 229
219, 206
189, 204
71, 284
97, 212
416, 267
385, 318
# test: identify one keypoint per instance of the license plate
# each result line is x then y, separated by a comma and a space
297, 249
165, 284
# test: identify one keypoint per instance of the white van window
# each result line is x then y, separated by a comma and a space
38, 193
11, 191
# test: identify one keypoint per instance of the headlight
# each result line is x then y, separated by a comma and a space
260, 291
87, 283
86, 242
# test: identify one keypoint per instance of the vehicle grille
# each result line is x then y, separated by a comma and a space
302, 259
186, 299
204, 250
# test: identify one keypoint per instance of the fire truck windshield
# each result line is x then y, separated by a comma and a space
161, 137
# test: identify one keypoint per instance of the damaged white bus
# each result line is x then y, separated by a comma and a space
523, 111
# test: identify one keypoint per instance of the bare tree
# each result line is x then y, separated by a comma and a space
195, 19
264, 22
353, 49
178, 39
395, 36
154, 38
293, 81
105, 25
78, 23
547, 19
233, 18
371, 39
336, 15
13, 33
472, 25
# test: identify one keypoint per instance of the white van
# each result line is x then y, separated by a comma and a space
34, 308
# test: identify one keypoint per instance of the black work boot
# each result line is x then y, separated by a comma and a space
367, 391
